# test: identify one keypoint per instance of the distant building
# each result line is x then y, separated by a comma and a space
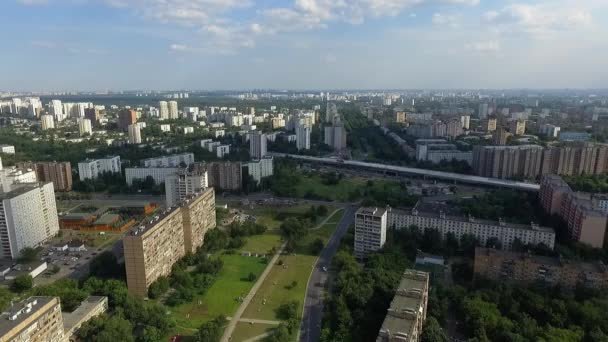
222, 150
173, 110
370, 231
35, 319
134, 134
157, 173
482, 113
91, 169
549, 130
8, 149
84, 127
261, 168
574, 136
29, 218
517, 127
47, 122
407, 312
59, 173
335, 136
126, 117
92, 114
526, 268
163, 110
257, 145
500, 136
331, 112
225, 175
184, 159
489, 125
303, 137
183, 183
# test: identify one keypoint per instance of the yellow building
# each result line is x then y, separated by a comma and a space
36, 319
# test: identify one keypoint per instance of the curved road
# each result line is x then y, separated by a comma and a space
310, 328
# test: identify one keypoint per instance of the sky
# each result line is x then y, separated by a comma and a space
68, 45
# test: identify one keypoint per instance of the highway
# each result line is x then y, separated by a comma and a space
476, 180
310, 329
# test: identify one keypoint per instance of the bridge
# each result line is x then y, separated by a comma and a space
411, 171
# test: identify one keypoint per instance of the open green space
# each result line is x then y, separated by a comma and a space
278, 287
222, 298
323, 232
262, 244
92, 239
245, 331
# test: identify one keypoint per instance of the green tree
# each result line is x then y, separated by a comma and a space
28, 254
432, 331
105, 266
211, 331
22, 283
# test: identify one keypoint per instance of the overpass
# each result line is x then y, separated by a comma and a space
411, 171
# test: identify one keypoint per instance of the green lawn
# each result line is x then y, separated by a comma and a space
324, 233
245, 331
276, 289
262, 244
222, 296
312, 185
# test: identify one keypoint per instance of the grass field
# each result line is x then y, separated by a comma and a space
277, 290
93, 239
222, 296
262, 244
312, 184
245, 331
324, 233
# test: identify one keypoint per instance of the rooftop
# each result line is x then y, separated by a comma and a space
70, 319
20, 189
20, 311
371, 211
151, 222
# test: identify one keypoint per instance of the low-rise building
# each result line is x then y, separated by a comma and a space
407, 312
91, 169
184, 159
91, 307
526, 268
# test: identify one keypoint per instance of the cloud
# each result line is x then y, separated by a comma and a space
179, 47
541, 18
489, 46
450, 20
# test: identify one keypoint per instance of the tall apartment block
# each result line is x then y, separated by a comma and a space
335, 136
153, 248
533, 161
407, 312
59, 173
126, 117
183, 183
36, 319
370, 230
225, 175
198, 212
584, 214
28, 218
91, 169
257, 145
529, 269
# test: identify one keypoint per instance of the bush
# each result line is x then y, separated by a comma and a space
159, 288
288, 310
251, 277
22, 283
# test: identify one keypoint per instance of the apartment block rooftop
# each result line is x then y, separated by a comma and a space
153, 221
371, 211
20, 312
20, 189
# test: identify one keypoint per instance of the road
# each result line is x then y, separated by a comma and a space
310, 329
239, 312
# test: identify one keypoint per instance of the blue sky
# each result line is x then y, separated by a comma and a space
302, 44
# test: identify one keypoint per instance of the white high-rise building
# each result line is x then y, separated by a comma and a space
173, 111
34, 107
370, 230
91, 169
335, 136
170, 161
262, 168
84, 127
257, 145
80, 109
134, 134
182, 184
191, 113
56, 109
28, 218
12, 176
163, 110
303, 137
47, 122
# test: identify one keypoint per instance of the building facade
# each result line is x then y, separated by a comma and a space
198, 212
225, 175
257, 145
157, 173
126, 117
36, 319
370, 231
184, 159
59, 173
262, 168
183, 183
91, 169
134, 134
28, 218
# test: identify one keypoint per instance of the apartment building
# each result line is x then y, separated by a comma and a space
152, 249
185, 159
8, 149
436, 152
406, 315
12, 176
91, 169
335, 136
582, 212
483, 230
59, 173
198, 216
257, 145
28, 218
47, 122
262, 168
126, 117
225, 175
370, 231
35, 319
183, 183
157, 173
500, 136
517, 127
91, 307
527, 268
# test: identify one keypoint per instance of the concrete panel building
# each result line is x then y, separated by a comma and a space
198, 216
407, 312
225, 175
91, 169
183, 183
262, 168
157, 173
59, 173
185, 159
126, 117
257, 145
36, 319
370, 231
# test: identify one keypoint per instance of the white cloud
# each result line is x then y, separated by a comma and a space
179, 47
541, 18
450, 20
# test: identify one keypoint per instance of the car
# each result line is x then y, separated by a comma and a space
324, 269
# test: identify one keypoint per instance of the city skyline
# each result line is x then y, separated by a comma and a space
64, 45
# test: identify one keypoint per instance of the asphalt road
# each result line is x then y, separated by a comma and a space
310, 329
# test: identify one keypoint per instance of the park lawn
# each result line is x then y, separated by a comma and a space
262, 244
324, 233
93, 239
245, 331
313, 184
222, 296
275, 289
